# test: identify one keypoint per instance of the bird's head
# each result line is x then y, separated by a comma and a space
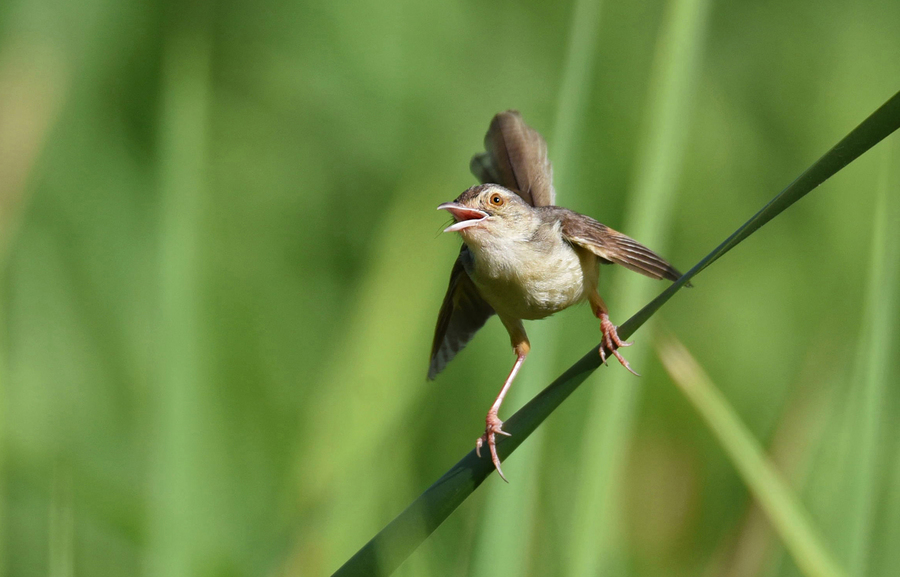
489, 210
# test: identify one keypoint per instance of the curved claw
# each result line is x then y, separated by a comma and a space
625, 364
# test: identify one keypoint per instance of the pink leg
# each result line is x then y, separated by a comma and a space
493, 422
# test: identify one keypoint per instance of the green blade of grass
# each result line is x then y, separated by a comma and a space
384, 552
384, 354
32, 86
873, 364
870, 132
508, 519
890, 557
781, 506
178, 488
754, 548
593, 533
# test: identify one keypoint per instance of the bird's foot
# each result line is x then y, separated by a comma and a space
611, 342
493, 428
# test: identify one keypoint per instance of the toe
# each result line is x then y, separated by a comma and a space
495, 458
625, 364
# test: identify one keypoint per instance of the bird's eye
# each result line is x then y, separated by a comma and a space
496, 200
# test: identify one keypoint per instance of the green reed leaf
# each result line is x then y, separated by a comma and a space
393, 544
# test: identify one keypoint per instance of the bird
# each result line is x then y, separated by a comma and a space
524, 258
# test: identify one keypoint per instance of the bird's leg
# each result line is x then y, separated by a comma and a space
493, 423
611, 341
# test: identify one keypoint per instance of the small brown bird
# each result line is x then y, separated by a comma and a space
524, 258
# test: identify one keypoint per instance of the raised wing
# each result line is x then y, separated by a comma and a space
516, 158
613, 246
462, 314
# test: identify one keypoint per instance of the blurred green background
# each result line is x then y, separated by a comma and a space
222, 266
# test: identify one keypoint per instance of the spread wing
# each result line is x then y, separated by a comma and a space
613, 246
462, 314
516, 158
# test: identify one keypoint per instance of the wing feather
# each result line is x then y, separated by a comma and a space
516, 158
463, 312
613, 246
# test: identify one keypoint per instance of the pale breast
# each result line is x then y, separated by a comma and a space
528, 280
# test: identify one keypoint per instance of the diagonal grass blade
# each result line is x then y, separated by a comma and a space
384, 552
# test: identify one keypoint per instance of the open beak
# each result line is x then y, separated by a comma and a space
465, 217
